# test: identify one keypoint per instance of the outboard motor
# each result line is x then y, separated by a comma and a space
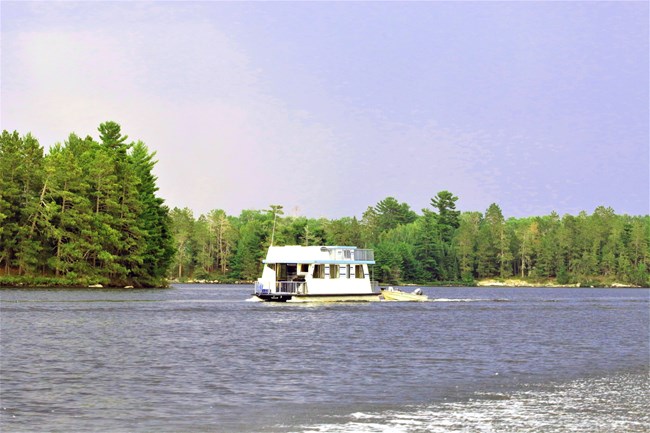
417, 291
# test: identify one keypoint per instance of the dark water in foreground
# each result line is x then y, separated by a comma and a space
202, 359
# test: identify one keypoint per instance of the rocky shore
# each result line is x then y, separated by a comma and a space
524, 283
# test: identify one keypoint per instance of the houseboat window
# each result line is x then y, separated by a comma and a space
292, 271
319, 271
282, 271
334, 271
304, 267
358, 271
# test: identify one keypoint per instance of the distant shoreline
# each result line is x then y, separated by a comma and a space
550, 284
512, 283
29, 282
53, 283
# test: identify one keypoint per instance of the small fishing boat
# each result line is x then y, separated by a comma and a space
394, 294
317, 274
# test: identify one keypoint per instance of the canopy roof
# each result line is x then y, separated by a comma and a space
319, 254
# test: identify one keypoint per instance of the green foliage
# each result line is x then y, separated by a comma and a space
389, 262
438, 246
21, 182
153, 221
344, 231
386, 215
563, 276
251, 246
447, 218
84, 212
88, 211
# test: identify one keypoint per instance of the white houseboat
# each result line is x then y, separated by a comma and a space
308, 274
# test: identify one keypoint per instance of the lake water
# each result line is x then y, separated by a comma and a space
203, 359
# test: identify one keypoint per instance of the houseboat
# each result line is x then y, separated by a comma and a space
317, 274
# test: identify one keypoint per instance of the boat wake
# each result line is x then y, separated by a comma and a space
613, 403
469, 300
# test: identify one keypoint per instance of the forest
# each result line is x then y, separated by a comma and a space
84, 213
87, 212
441, 245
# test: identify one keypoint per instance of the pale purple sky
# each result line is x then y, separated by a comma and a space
329, 107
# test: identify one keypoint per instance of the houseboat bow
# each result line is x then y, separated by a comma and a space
317, 274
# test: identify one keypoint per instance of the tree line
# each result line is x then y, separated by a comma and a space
439, 245
84, 212
87, 211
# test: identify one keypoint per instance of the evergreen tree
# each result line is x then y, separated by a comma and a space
492, 244
344, 231
429, 250
125, 251
466, 244
389, 262
21, 168
153, 221
448, 218
390, 214
405, 238
68, 212
549, 260
247, 260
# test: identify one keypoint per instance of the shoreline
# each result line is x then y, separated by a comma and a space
27, 283
514, 283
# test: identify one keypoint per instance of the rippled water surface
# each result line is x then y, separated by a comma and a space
202, 358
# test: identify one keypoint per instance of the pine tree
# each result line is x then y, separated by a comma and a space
493, 244
153, 221
466, 244
250, 246
429, 250
448, 218
68, 211
21, 168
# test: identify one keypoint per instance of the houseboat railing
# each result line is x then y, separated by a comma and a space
282, 287
352, 254
291, 286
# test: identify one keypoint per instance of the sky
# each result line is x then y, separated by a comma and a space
327, 108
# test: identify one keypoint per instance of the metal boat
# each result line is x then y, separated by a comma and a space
393, 294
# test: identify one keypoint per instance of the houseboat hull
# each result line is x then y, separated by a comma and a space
292, 297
